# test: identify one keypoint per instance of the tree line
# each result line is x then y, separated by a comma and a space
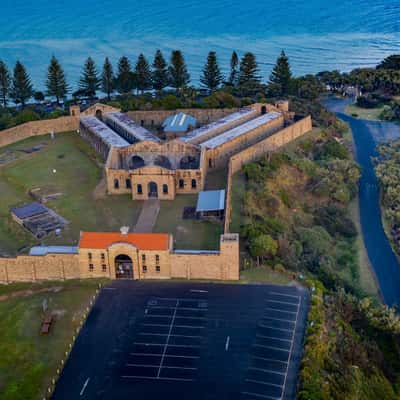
143, 76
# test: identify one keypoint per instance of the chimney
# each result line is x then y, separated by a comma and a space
124, 230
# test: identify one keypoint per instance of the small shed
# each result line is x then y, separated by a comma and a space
178, 125
211, 203
28, 211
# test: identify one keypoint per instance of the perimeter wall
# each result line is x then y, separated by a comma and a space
252, 153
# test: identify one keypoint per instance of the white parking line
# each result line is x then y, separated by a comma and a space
281, 302
271, 347
198, 291
273, 337
287, 295
84, 387
157, 378
280, 319
264, 383
159, 355
263, 396
274, 327
180, 308
266, 370
282, 311
172, 335
166, 343
227, 343
177, 326
156, 366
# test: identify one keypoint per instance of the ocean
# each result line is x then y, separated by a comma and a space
317, 35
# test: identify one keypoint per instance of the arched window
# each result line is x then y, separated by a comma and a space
139, 189
181, 183
194, 184
165, 189
210, 162
128, 183
116, 183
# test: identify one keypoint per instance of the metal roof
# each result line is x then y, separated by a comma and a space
179, 122
131, 127
240, 130
207, 129
43, 250
211, 252
29, 210
211, 200
103, 131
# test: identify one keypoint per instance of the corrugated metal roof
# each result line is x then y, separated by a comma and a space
131, 127
104, 132
179, 122
29, 210
211, 200
207, 129
240, 130
43, 250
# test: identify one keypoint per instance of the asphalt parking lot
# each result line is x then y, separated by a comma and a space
185, 340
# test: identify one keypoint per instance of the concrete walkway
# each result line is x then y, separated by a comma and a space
148, 216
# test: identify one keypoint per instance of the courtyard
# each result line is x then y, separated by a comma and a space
68, 172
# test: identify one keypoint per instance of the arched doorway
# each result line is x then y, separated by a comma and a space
263, 110
99, 114
153, 190
123, 267
136, 162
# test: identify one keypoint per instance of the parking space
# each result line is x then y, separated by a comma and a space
191, 340
271, 353
168, 340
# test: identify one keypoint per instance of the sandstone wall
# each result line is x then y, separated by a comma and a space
156, 118
36, 268
37, 128
271, 143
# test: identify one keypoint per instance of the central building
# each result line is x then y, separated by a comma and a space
138, 162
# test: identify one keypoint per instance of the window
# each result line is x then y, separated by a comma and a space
116, 184
104, 267
210, 162
142, 122
165, 189
143, 258
90, 256
181, 183
144, 268
128, 183
194, 184
157, 259
103, 256
139, 189
91, 267
158, 269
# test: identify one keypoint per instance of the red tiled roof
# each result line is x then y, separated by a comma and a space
143, 241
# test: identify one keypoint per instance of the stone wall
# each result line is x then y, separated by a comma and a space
37, 128
156, 118
271, 143
37, 268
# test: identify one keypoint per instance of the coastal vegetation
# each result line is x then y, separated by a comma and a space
387, 170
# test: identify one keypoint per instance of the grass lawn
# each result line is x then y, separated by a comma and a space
28, 360
372, 114
78, 171
264, 274
189, 233
367, 279
217, 179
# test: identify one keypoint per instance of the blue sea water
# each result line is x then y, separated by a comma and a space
316, 34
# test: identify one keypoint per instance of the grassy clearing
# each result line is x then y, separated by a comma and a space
372, 114
28, 360
264, 274
189, 233
216, 179
367, 279
78, 172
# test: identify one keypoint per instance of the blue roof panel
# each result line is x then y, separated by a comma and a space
179, 123
43, 250
211, 200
